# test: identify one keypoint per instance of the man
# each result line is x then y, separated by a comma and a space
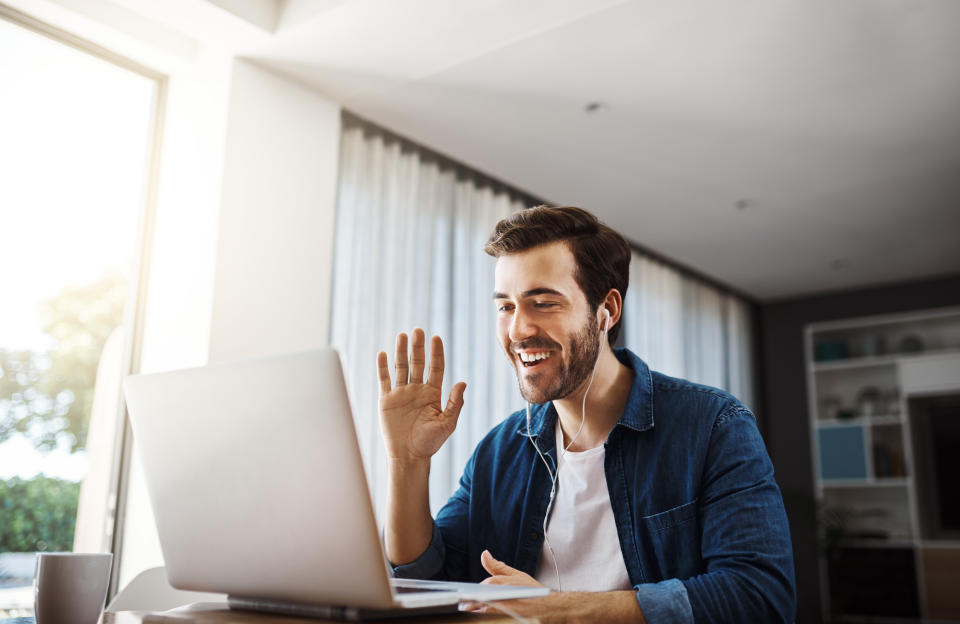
664, 507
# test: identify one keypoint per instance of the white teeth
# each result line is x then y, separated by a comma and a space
533, 357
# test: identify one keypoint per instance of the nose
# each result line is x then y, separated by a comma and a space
522, 326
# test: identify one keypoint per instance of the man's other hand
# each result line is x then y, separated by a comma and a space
413, 424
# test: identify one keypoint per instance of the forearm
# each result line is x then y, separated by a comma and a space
408, 527
613, 607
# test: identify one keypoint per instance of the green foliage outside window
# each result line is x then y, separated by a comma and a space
37, 514
47, 395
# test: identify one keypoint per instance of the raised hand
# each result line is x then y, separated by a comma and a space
412, 421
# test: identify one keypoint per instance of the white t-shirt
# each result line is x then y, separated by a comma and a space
582, 530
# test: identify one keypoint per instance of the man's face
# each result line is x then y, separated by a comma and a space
545, 325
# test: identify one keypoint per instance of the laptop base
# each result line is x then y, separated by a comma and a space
331, 612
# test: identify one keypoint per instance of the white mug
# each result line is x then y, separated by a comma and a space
70, 588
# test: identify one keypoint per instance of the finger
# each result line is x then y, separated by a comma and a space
487, 561
435, 377
455, 403
401, 359
417, 357
383, 373
494, 566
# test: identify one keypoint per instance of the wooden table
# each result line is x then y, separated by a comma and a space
212, 613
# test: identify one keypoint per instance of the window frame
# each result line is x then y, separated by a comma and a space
134, 310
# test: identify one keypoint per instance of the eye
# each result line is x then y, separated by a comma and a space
504, 307
544, 304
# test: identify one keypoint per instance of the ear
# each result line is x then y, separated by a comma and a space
613, 306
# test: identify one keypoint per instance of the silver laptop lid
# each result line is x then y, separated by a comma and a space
256, 480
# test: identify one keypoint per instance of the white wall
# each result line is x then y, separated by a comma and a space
274, 253
243, 252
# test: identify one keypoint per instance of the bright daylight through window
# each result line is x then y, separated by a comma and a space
76, 136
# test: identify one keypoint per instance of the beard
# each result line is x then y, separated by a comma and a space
574, 372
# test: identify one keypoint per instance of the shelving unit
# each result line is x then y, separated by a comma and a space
888, 545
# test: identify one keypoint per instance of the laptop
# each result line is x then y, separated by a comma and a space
258, 490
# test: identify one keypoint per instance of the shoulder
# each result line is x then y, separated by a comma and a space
684, 389
677, 399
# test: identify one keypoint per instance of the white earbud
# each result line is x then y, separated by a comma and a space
606, 324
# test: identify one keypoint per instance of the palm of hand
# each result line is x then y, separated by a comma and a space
414, 425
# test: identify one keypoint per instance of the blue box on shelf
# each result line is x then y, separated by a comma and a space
842, 454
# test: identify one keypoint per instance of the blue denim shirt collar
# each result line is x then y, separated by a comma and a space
637, 414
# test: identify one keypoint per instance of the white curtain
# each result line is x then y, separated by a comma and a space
409, 253
684, 327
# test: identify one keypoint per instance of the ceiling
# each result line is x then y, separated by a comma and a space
779, 147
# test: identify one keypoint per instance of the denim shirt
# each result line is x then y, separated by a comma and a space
700, 519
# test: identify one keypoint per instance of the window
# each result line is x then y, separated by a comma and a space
74, 164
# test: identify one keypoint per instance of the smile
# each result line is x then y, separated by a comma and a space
532, 359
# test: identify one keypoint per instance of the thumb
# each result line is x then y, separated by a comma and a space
455, 403
494, 566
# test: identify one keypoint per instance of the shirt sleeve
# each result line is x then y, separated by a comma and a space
745, 538
666, 601
426, 565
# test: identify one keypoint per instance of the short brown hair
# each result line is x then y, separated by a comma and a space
601, 254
